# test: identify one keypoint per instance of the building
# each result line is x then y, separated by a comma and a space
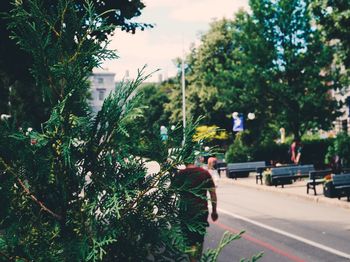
342, 123
102, 84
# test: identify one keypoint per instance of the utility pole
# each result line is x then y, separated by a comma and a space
183, 93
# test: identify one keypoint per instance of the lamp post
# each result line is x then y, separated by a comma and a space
251, 116
238, 124
183, 94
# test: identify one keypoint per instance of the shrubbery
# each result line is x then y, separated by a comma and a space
238, 151
314, 152
340, 147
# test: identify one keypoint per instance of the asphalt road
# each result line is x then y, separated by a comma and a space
284, 228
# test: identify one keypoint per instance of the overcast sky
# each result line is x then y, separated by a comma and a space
178, 23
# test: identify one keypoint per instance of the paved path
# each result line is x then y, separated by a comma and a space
297, 189
284, 223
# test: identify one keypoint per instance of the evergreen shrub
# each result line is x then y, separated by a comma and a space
78, 189
238, 151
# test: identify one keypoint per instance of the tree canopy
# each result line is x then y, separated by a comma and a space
303, 70
272, 62
333, 17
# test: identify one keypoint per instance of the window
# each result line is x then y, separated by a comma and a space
344, 124
100, 80
101, 94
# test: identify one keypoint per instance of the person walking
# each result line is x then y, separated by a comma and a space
212, 164
195, 182
295, 150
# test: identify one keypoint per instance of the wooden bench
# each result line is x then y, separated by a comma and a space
341, 185
316, 178
286, 175
260, 170
235, 169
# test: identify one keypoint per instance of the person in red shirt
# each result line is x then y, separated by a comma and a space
295, 150
194, 183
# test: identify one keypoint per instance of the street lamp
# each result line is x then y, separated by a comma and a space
251, 116
238, 120
235, 115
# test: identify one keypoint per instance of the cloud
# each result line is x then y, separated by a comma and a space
141, 48
206, 10
198, 10
144, 45
178, 23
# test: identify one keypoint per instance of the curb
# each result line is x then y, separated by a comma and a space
312, 198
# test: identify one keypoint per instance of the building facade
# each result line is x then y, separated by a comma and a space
102, 84
342, 123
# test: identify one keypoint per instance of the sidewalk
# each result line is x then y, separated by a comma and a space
297, 189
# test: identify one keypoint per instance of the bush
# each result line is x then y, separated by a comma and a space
238, 151
340, 147
272, 152
314, 152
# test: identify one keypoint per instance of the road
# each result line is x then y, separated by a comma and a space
284, 228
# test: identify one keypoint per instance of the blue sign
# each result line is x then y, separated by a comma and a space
238, 124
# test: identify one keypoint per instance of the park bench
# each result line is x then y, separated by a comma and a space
260, 170
286, 175
243, 169
221, 166
339, 187
316, 178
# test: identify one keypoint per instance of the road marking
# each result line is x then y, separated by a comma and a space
261, 243
285, 233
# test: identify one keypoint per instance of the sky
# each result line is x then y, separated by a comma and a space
178, 24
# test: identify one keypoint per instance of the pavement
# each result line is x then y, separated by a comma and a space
296, 190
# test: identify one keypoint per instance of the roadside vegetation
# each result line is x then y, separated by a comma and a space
74, 184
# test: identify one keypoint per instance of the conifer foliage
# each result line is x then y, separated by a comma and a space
76, 190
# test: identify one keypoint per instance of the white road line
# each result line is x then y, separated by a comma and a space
279, 231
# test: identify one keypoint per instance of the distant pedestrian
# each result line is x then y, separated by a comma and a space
335, 164
195, 182
212, 165
295, 151
212, 161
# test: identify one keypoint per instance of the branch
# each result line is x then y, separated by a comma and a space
144, 192
26, 190
5, 256
13, 258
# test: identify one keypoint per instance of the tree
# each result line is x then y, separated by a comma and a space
76, 190
227, 72
28, 105
334, 20
303, 73
145, 131
154, 98
272, 61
